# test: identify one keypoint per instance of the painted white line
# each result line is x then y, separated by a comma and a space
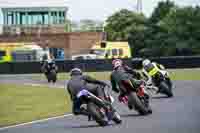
32, 84
52, 86
37, 121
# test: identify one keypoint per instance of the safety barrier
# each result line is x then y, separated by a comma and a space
97, 65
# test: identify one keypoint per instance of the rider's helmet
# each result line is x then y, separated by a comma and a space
76, 71
117, 63
146, 62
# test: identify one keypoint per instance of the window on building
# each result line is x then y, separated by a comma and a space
39, 19
49, 18
18, 18
29, 18
63, 14
46, 18
61, 18
10, 18
108, 53
114, 52
22, 18
120, 52
34, 19
53, 16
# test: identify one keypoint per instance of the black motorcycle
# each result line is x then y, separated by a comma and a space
163, 82
50, 71
100, 110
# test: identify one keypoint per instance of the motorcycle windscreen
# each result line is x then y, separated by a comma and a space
82, 93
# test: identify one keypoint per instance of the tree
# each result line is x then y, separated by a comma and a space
68, 25
128, 26
120, 24
74, 26
170, 31
184, 23
136, 39
90, 25
161, 11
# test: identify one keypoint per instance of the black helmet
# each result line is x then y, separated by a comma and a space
75, 71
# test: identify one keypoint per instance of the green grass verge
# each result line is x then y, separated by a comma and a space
176, 74
66, 76
20, 103
185, 74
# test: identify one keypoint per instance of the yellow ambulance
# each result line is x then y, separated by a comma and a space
6, 50
110, 50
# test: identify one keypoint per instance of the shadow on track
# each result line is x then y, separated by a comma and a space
84, 126
88, 126
160, 97
130, 115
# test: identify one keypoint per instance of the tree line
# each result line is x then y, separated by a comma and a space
169, 31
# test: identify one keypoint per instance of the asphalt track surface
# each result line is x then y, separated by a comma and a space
180, 114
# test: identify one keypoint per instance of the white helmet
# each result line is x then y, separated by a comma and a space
146, 62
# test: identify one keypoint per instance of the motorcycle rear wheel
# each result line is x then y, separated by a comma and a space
137, 103
165, 89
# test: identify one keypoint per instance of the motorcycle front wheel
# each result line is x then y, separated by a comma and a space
116, 118
93, 110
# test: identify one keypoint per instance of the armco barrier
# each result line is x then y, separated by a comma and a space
171, 62
179, 62
97, 65
5, 68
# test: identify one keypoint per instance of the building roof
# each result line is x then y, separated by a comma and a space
35, 9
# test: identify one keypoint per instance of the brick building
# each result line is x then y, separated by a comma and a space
73, 42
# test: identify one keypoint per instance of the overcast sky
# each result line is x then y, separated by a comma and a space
92, 9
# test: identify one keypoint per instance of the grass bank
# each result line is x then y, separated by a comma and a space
19, 103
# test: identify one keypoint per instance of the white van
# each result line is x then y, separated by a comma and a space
30, 53
84, 57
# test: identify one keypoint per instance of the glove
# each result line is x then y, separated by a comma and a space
120, 98
123, 99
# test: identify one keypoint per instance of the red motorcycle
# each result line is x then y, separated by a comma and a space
136, 98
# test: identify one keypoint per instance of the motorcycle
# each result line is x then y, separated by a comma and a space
50, 71
161, 83
136, 98
96, 108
